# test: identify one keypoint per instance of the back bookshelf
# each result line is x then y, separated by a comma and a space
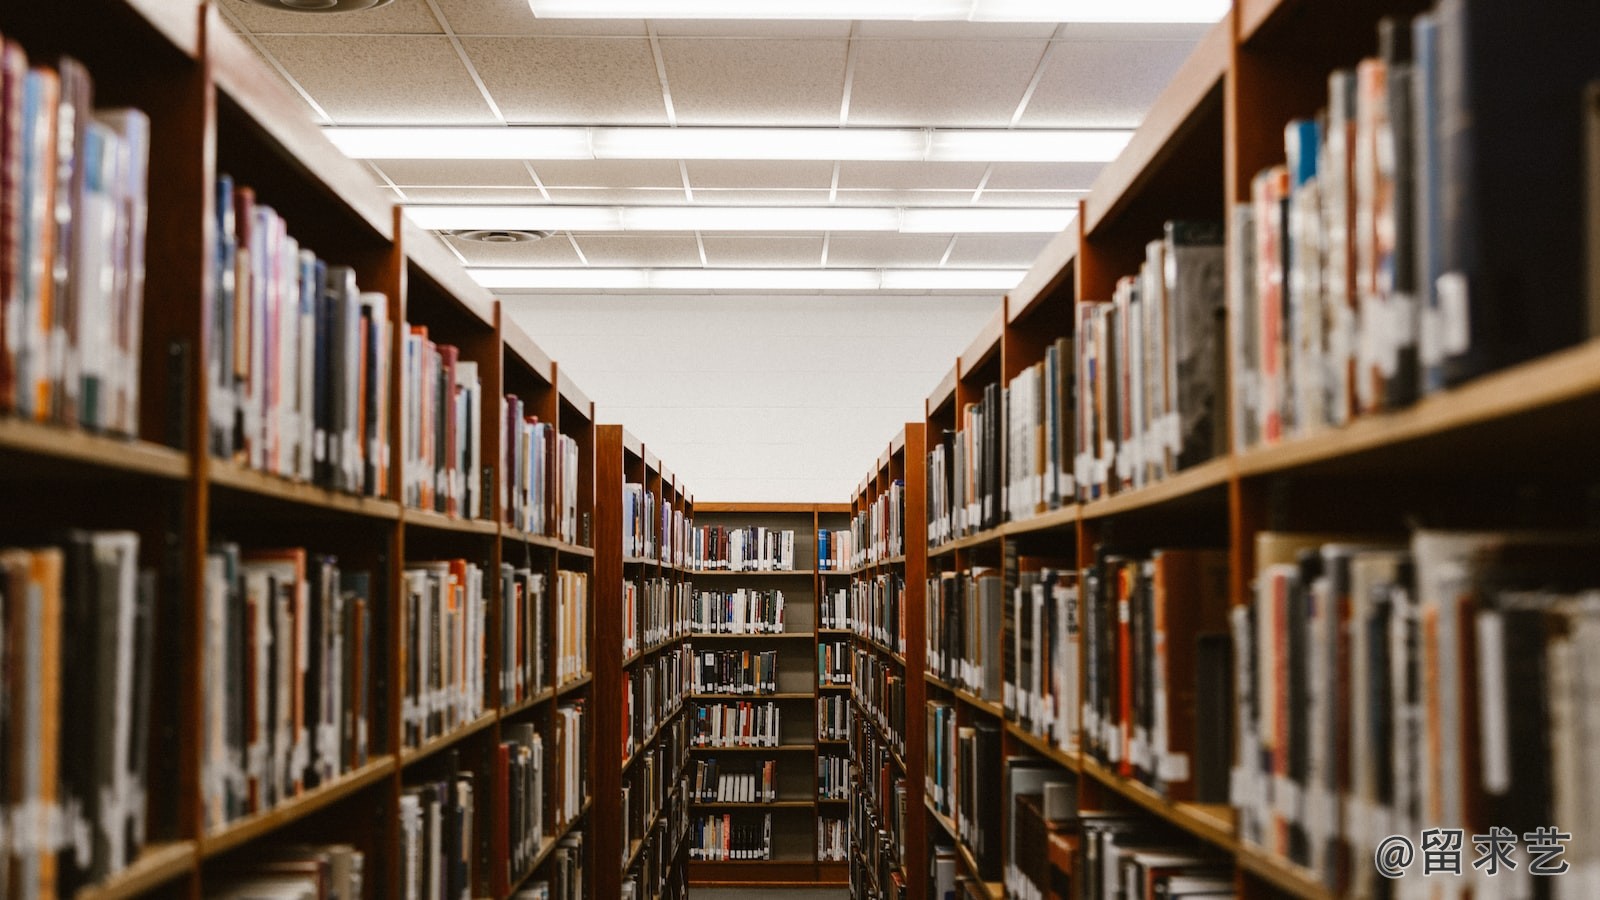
1234, 542
425, 732
796, 807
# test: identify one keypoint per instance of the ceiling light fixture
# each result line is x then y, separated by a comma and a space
534, 142
762, 280
979, 220
1198, 11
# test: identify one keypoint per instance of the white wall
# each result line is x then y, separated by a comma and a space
770, 399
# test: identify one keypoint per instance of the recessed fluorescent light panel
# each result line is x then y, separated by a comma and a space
762, 280
1201, 11
973, 220
533, 142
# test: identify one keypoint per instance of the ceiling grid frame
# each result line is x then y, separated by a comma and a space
466, 61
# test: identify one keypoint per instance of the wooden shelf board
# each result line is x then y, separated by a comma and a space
434, 745
1212, 823
549, 845
249, 828
985, 344
230, 475
549, 543
1286, 877
639, 561
650, 741
575, 685
522, 347
1046, 521
834, 687
1173, 113
715, 698
978, 703
527, 703
1207, 475
428, 255
943, 820
425, 518
106, 454
976, 539
883, 649
1044, 276
841, 632
177, 22
994, 889
156, 864
1564, 376
1067, 758
942, 393
782, 635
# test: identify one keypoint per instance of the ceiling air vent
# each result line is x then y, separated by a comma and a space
321, 6
499, 236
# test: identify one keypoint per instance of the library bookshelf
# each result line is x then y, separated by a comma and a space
1498, 451
798, 807
214, 109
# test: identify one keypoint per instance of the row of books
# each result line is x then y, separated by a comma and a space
877, 610
833, 777
833, 610
939, 769
446, 605
878, 531
524, 653
836, 550
878, 807
78, 622
649, 786
755, 782
833, 840
1387, 259
1040, 435
288, 664
833, 662
441, 422
516, 803
565, 880
735, 672
1040, 803
965, 612
742, 724
651, 693
1151, 366
325, 872
1155, 653
833, 717
539, 491
571, 762
1437, 681
572, 626
964, 472
753, 548
1120, 856
743, 611
638, 522
1042, 650
298, 357
731, 836
880, 687
654, 611
73, 223
436, 834
655, 876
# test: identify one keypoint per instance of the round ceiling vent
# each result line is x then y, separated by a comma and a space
321, 6
500, 236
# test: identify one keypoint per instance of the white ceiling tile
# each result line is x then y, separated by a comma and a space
1043, 176
399, 17
627, 196
763, 251
759, 174
1045, 199
976, 31
985, 250
500, 17
597, 81
404, 79
904, 198
639, 250
730, 197
752, 28
609, 173
874, 175
755, 82
456, 172
555, 250
945, 83
1111, 84
1185, 32
892, 250
457, 195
